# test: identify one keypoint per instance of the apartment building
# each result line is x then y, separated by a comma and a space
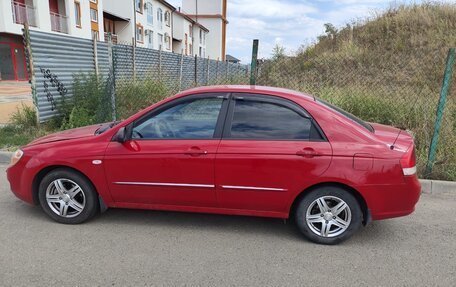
79, 18
198, 28
146, 23
189, 37
211, 14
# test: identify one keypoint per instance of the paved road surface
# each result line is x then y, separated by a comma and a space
126, 247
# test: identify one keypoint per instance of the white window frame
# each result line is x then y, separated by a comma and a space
150, 13
96, 15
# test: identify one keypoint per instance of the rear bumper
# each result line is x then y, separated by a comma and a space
389, 201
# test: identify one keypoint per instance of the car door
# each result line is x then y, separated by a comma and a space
170, 158
270, 149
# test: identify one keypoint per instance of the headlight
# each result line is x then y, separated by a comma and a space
16, 157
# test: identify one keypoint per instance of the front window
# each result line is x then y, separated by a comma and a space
150, 39
282, 122
138, 6
150, 14
93, 15
348, 115
139, 33
191, 119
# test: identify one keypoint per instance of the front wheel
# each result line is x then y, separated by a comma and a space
67, 197
328, 215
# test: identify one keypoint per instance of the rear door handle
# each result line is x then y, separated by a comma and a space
195, 151
307, 152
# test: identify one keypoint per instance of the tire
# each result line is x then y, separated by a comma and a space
320, 224
68, 197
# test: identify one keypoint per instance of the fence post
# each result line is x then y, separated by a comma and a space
180, 70
196, 70
112, 76
95, 56
160, 63
447, 77
31, 68
253, 64
134, 58
207, 71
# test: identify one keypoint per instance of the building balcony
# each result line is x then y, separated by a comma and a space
59, 23
23, 13
113, 38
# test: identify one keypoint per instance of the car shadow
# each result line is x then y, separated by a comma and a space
210, 223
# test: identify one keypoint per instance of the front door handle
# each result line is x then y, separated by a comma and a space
195, 151
307, 152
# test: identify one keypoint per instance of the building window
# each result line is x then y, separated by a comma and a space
93, 1
200, 52
94, 34
160, 17
93, 15
138, 6
150, 39
190, 31
201, 36
150, 14
167, 18
168, 41
160, 41
77, 13
190, 47
139, 33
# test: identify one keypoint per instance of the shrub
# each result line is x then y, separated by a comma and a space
24, 117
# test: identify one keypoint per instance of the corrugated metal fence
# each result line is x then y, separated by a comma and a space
57, 58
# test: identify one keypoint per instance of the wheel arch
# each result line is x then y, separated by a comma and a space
361, 201
46, 170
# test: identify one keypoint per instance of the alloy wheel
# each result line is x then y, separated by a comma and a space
65, 198
328, 216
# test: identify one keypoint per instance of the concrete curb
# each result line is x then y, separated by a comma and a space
427, 185
437, 186
5, 156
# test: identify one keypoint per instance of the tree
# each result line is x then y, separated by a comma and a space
278, 52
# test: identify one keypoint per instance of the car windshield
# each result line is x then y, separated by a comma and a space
105, 127
347, 115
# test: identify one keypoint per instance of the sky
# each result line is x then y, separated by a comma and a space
289, 23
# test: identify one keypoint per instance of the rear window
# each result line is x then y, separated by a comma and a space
348, 115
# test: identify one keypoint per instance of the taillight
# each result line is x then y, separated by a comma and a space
408, 162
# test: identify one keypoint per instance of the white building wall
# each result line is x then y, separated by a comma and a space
204, 7
43, 19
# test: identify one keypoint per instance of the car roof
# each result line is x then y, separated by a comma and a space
249, 89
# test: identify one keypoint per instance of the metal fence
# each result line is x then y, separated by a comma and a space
132, 77
399, 89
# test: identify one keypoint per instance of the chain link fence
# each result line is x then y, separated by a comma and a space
399, 89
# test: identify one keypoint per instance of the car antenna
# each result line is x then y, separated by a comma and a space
392, 146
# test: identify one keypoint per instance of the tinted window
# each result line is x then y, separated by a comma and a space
264, 120
194, 119
348, 115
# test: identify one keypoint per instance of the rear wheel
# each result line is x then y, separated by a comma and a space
328, 215
67, 197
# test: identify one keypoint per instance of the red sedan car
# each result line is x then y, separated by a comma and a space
240, 150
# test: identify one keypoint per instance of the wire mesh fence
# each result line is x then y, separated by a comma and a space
390, 88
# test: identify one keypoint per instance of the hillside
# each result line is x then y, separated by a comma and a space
387, 69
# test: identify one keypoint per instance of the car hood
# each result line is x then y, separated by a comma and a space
391, 135
84, 132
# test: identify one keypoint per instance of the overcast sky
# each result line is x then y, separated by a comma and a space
290, 23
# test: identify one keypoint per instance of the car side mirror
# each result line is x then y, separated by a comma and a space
120, 136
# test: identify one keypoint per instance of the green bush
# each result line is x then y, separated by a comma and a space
133, 96
24, 117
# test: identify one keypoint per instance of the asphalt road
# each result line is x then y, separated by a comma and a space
128, 247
